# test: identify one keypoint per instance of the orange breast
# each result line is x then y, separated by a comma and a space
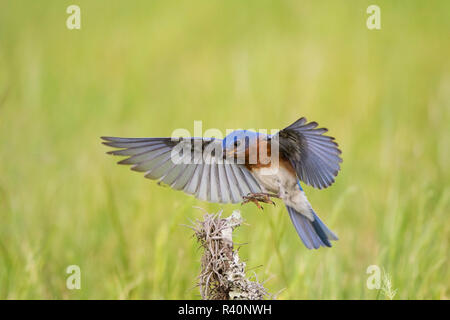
263, 157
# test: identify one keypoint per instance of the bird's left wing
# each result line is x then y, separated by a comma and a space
193, 165
314, 156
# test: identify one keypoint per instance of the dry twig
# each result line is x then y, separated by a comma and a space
222, 274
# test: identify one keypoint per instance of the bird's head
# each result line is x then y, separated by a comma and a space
237, 143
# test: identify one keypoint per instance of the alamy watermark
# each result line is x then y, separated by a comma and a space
249, 147
374, 20
74, 279
74, 20
380, 280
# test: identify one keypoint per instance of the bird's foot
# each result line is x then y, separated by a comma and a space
256, 198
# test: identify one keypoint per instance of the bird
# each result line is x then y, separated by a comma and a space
245, 166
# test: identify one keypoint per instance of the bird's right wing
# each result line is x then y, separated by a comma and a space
187, 164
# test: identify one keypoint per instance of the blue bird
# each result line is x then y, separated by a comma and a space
245, 166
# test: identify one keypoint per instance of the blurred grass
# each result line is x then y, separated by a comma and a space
148, 67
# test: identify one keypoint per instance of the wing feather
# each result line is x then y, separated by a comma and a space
315, 156
208, 180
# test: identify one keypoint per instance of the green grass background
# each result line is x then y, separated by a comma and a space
145, 68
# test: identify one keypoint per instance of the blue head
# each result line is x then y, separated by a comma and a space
237, 142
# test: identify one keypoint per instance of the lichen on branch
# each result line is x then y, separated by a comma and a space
222, 275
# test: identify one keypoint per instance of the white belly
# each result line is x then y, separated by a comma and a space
284, 184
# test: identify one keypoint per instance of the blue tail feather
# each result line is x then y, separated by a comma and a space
314, 234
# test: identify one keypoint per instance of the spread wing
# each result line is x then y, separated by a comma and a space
315, 157
193, 165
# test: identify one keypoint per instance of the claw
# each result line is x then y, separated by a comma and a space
258, 197
248, 199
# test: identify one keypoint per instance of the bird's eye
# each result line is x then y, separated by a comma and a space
236, 143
